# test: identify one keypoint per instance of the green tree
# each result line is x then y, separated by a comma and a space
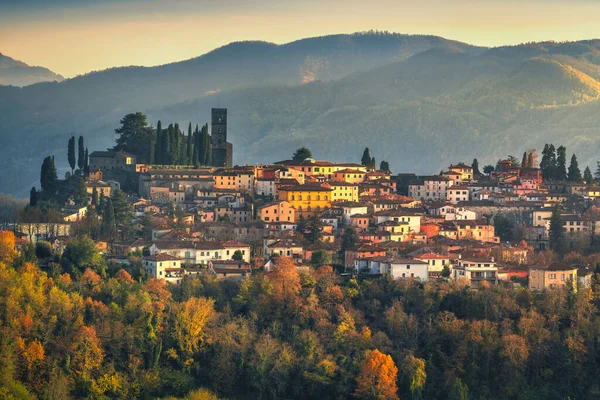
71, 153
475, 166
95, 196
48, 178
320, 258
196, 147
207, 146
81, 254
524, 160
587, 176
373, 163
81, 158
80, 196
165, 147
86, 162
135, 136
175, 144
446, 271
557, 232
366, 158
574, 172
108, 229
597, 174
504, 227
33, 195
488, 169
349, 238
43, 249
385, 167
561, 164
122, 209
302, 154
513, 161
190, 146
158, 151
548, 163
237, 255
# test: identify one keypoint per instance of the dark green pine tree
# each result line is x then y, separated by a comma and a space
366, 158
561, 164
122, 208
190, 146
166, 146
33, 195
373, 162
197, 147
108, 229
524, 160
587, 176
48, 178
95, 197
384, 166
86, 162
81, 159
557, 232
548, 163
475, 166
80, 195
207, 146
597, 174
71, 153
158, 153
574, 172
175, 145
101, 203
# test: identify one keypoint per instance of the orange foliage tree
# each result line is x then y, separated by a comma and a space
285, 279
377, 378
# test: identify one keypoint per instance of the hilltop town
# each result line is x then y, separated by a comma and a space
191, 212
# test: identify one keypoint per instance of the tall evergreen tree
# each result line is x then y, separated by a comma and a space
197, 146
574, 172
86, 163
158, 152
175, 145
80, 195
587, 176
166, 146
475, 166
48, 177
548, 163
190, 146
81, 154
597, 174
373, 162
95, 197
71, 153
366, 157
384, 166
108, 229
207, 147
524, 160
561, 164
557, 232
33, 195
122, 208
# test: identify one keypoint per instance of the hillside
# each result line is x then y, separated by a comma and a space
17, 73
419, 102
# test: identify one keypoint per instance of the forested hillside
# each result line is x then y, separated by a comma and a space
84, 329
420, 102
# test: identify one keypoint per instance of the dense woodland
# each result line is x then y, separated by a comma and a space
81, 328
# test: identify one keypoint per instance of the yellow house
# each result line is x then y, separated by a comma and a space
343, 191
101, 187
554, 275
307, 199
226, 180
465, 171
349, 175
279, 211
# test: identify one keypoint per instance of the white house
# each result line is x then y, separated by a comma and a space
476, 270
397, 268
164, 266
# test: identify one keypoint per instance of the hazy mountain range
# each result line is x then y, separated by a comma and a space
419, 102
17, 73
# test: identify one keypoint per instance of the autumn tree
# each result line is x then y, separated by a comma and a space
377, 378
86, 352
413, 370
190, 320
7, 247
285, 279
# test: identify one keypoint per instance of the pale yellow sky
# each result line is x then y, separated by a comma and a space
71, 38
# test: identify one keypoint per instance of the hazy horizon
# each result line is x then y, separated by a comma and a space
76, 37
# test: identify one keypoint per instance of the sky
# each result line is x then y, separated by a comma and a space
73, 37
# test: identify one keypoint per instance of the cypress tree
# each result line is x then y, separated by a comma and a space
158, 152
71, 153
190, 146
33, 197
109, 226
80, 196
207, 146
86, 162
95, 196
175, 145
166, 146
530, 161
81, 159
366, 158
587, 176
475, 166
48, 177
574, 172
557, 232
561, 164
524, 160
373, 162
197, 147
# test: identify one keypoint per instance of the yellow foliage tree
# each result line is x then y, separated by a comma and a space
86, 351
377, 378
7, 247
190, 321
285, 279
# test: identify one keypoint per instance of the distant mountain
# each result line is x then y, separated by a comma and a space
17, 73
418, 102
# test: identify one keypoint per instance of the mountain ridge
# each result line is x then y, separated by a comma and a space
17, 73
